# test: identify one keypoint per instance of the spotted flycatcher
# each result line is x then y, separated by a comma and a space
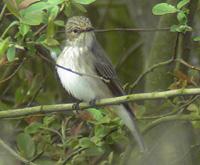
83, 54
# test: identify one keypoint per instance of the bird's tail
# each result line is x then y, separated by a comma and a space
128, 118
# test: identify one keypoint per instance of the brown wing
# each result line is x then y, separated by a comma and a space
105, 69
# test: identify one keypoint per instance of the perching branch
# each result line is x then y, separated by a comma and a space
102, 102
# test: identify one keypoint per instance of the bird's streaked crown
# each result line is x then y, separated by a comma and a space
78, 24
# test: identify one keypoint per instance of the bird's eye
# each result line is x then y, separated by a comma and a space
75, 31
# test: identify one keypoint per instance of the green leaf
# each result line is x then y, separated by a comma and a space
53, 13
31, 18
180, 28
163, 8
51, 42
26, 145
33, 128
68, 9
80, 7
33, 15
11, 53
96, 113
59, 23
193, 108
49, 120
86, 143
101, 130
84, 2
12, 7
19, 95
182, 18
94, 151
182, 3
196, 38
23, 29
54, 2
4, 44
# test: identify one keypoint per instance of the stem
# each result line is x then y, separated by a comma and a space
8, 28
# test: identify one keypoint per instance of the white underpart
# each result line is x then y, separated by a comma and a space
81, 87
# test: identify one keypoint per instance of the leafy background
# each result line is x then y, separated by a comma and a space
31, 28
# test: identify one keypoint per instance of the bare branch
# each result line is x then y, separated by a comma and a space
69, 70
102, 102
181, 61
13, 74
154, 123
141, 76
133, 29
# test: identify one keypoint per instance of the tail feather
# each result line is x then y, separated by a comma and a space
129, 120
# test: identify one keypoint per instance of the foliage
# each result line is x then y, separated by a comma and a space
69, 139
180, 9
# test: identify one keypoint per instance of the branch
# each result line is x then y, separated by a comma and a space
150, 69
154, 123
133, 29
129, 30
102, 102
72, 71
12, 152
12, 74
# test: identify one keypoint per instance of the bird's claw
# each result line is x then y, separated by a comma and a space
93, 103
76, 106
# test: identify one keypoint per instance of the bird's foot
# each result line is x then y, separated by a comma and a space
76, 106
93, 102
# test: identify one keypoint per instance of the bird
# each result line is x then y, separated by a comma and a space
83, 54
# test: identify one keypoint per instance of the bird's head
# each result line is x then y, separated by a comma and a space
79, 30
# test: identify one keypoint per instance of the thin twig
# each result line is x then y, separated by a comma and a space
127, 54
171, 118
188, 65
176, 47
39, 30
37, 156
8, 28
69, 70
13, 153
73, 154
180, 109
128, 30
181, 61
13, 74
36, 93
52, 130
141, 76
133, 29
2, 12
